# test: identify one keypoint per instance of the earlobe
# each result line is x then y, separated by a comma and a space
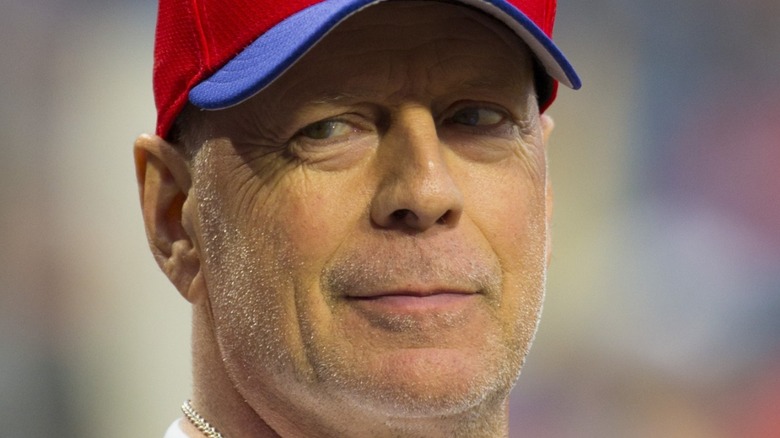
547, 128
163, 185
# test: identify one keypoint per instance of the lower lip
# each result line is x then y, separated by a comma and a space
411, 304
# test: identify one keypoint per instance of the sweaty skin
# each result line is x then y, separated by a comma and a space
365, 241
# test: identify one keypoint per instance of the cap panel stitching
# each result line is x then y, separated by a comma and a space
201, 30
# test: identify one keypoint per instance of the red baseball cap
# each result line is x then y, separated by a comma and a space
218, 53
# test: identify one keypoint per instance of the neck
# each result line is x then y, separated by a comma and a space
214, 394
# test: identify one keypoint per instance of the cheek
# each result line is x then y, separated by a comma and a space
265, 245
316, 214
509, 209
509, 212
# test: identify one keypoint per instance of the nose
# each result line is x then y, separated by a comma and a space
416, 189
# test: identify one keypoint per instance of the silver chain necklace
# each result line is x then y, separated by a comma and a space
199, 421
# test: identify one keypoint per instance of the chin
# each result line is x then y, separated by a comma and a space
431, 383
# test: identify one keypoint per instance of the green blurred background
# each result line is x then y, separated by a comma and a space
663, 310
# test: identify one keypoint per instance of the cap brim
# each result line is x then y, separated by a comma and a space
278, 49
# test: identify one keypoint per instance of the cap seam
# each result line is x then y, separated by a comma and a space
551, 12
204, 45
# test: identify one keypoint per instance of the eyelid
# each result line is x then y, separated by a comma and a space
506, 115
351, 119
350, 112
306, 148
302, 132
474, 104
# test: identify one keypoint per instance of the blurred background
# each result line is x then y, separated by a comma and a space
663, 310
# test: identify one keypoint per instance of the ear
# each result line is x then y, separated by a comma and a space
164, 184
547, 127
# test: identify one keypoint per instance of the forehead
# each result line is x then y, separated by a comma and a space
433, 43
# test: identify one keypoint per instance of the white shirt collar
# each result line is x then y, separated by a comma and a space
175, 431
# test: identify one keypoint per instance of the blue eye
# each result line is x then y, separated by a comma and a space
325, 129
477, 117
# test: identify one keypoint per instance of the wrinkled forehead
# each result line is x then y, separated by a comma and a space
394, 16
436, 29
418, 41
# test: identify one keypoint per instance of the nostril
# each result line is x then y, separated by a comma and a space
410, 218
401, 214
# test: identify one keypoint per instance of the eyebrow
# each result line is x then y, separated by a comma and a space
493, 83
333, 98
489, 83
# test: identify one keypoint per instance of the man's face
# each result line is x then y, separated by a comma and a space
373, 225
